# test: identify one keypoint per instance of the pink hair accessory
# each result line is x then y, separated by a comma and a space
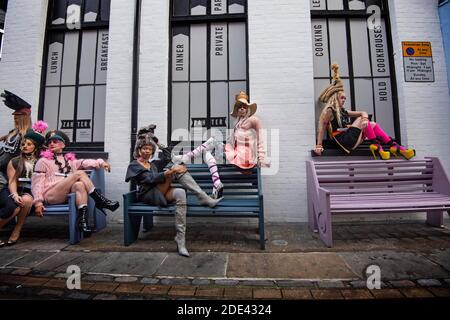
40, 126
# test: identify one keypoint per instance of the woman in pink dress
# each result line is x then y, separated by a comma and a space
245, 147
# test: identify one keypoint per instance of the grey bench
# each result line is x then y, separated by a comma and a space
394, 186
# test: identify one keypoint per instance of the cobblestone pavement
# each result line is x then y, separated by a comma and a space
226, 262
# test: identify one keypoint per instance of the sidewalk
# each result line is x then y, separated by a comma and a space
226, 262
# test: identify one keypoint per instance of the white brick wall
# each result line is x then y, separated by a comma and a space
21, 63
281, 82
424, 107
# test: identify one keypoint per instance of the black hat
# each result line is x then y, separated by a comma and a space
57, 135
16, 103
148, 131
37, 133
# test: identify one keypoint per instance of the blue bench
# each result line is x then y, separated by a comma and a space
98, 179
243, 198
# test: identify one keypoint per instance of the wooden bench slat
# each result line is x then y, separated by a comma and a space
389, 196
375, 166
375, 184
375, 172
371, 162
376, 178
396, 190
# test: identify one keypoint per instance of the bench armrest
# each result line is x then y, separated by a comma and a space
441, 180
129, 197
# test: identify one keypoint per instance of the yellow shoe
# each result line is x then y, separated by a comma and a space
385, 155
407, 153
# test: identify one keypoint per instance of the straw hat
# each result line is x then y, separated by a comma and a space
242, 98
334, 87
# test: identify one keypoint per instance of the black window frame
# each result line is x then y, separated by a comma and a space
3, 7
96, 147
346, 14
207, 19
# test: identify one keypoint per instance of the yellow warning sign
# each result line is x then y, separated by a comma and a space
417, 49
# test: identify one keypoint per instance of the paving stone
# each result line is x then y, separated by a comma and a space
61, 275
440, 292
104, 296
126, 279
402, 283
11, 279
98, 278
199, 264
209, 292
238, 293
79, 296
104, 287
57, 260
330, 284
296, 294
295, 283
42, 273
387, 294
21, 272
57, 283
186, 291
34, 282
6, 270
9, 256
429, 283
129, 288
175, 281
358, 284
354, 294
416, 293
260, 283
226, 282
50, 292
149, 281
31, 260
155, 290
327, 294
201, 282
267, 294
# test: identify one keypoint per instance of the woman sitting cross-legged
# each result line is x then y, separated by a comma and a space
19, 171
56, 175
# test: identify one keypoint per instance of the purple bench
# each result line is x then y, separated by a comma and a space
349, 187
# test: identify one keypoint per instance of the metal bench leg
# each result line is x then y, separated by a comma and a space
312, 219
324, 219
74, 233
435, 218
148, 223
132, 225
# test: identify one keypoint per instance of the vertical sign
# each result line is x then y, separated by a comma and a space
418, 62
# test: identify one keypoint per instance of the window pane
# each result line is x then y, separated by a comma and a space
180, 7
335, 5
378, 43
219, 106
84, 113
356, 5
318, 5
236, 6
320, 47
70, 58
234, 88
364, 95
198, 52
218, 6
180, 107
198, 110
238, 56
59, 11
105, 8
338, 44
91, 10
180, 54
99, 114
66, 111
51, 103
360, 48
198, 7
102, 56
54, 59
219, 59
87, 61
384, 108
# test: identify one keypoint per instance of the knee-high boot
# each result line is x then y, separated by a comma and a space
206, 146
83, 221
189, 183
180, 222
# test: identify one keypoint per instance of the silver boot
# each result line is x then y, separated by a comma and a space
180, 226
189, 183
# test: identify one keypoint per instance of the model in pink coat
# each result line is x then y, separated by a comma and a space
56, 175
245, 147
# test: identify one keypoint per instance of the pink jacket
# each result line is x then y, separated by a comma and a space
247, 146
44, 176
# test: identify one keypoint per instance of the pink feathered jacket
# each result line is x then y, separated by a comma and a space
246, 147
44, 176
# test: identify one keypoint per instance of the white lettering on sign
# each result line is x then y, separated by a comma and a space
218, 41
179, 57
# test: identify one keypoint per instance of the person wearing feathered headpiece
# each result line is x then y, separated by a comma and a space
350, 128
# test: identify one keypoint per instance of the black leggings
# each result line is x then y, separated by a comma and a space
7, 204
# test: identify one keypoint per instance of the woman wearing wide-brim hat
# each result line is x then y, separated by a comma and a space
20, 170
246, 146
57, 174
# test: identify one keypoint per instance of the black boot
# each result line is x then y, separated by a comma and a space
83, 221
101, 202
